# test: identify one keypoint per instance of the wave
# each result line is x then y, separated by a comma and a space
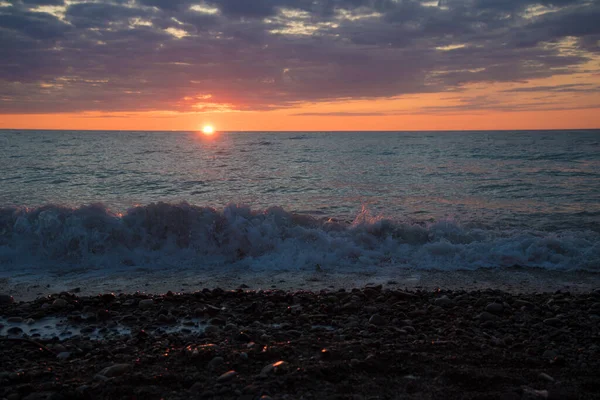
190, 236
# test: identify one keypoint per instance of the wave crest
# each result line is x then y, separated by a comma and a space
184, 235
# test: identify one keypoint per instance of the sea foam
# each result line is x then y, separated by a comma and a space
188, 236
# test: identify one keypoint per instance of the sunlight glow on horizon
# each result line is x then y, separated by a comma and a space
208, 130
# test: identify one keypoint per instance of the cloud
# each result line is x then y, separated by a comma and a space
567, 88
193, 55
339, 114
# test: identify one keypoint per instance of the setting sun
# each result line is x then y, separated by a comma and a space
208, 130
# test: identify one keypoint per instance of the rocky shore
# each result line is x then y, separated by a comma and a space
370, 343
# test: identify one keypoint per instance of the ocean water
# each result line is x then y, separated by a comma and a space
342, 201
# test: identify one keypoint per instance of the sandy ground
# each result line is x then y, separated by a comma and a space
28, 286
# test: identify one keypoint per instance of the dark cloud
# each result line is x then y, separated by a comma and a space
567, 88
193, 55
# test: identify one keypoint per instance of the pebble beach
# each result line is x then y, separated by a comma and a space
375, 342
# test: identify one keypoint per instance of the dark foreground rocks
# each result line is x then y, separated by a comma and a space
372, 343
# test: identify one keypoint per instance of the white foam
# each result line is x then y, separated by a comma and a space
196, 238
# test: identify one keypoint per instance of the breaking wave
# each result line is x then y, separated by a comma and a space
184, 235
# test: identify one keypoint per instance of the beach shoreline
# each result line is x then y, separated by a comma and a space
367, 343
27, 286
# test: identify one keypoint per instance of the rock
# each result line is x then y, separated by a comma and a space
487, 316
14, 320
227, 376
277, 367
444, 302
546, 377
63, 355
495, 308
216, 362
553, 322
377, 319
146, 304
115, 370
15, 330
197, 387
6, 299
59, 304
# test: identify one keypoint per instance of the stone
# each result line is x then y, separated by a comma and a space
115, 370
273, 368
146, 304
487, 316
551, 354
227, 376
216, 362
5, 299
377, 319
15, 330
546, 377
444, 302
495, 308
63, 355
197, 387
14, 320
59, 303
553, 322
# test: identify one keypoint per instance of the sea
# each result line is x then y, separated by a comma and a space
299, 201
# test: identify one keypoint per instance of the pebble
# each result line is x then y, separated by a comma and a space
216, 362
546, 377
227, 376
273, 368
59, 303
377, 319
487, 316
115, 370
146, 304
494, 308
5, 299
15, 330
444, 302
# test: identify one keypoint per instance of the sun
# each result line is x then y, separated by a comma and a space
208, 130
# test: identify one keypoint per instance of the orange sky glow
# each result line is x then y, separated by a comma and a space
299, 66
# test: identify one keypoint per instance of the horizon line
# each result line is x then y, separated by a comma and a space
304, 131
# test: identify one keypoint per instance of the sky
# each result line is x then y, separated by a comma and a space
299, 64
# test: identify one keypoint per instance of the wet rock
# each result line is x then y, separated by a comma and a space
146, 304
275, 368
216, 362
63, 355
444, 302
377, 319
495, 308
227, 376
15, 330
545, 377
14, 320
6, 299
487, 316
115, 370
59, 304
